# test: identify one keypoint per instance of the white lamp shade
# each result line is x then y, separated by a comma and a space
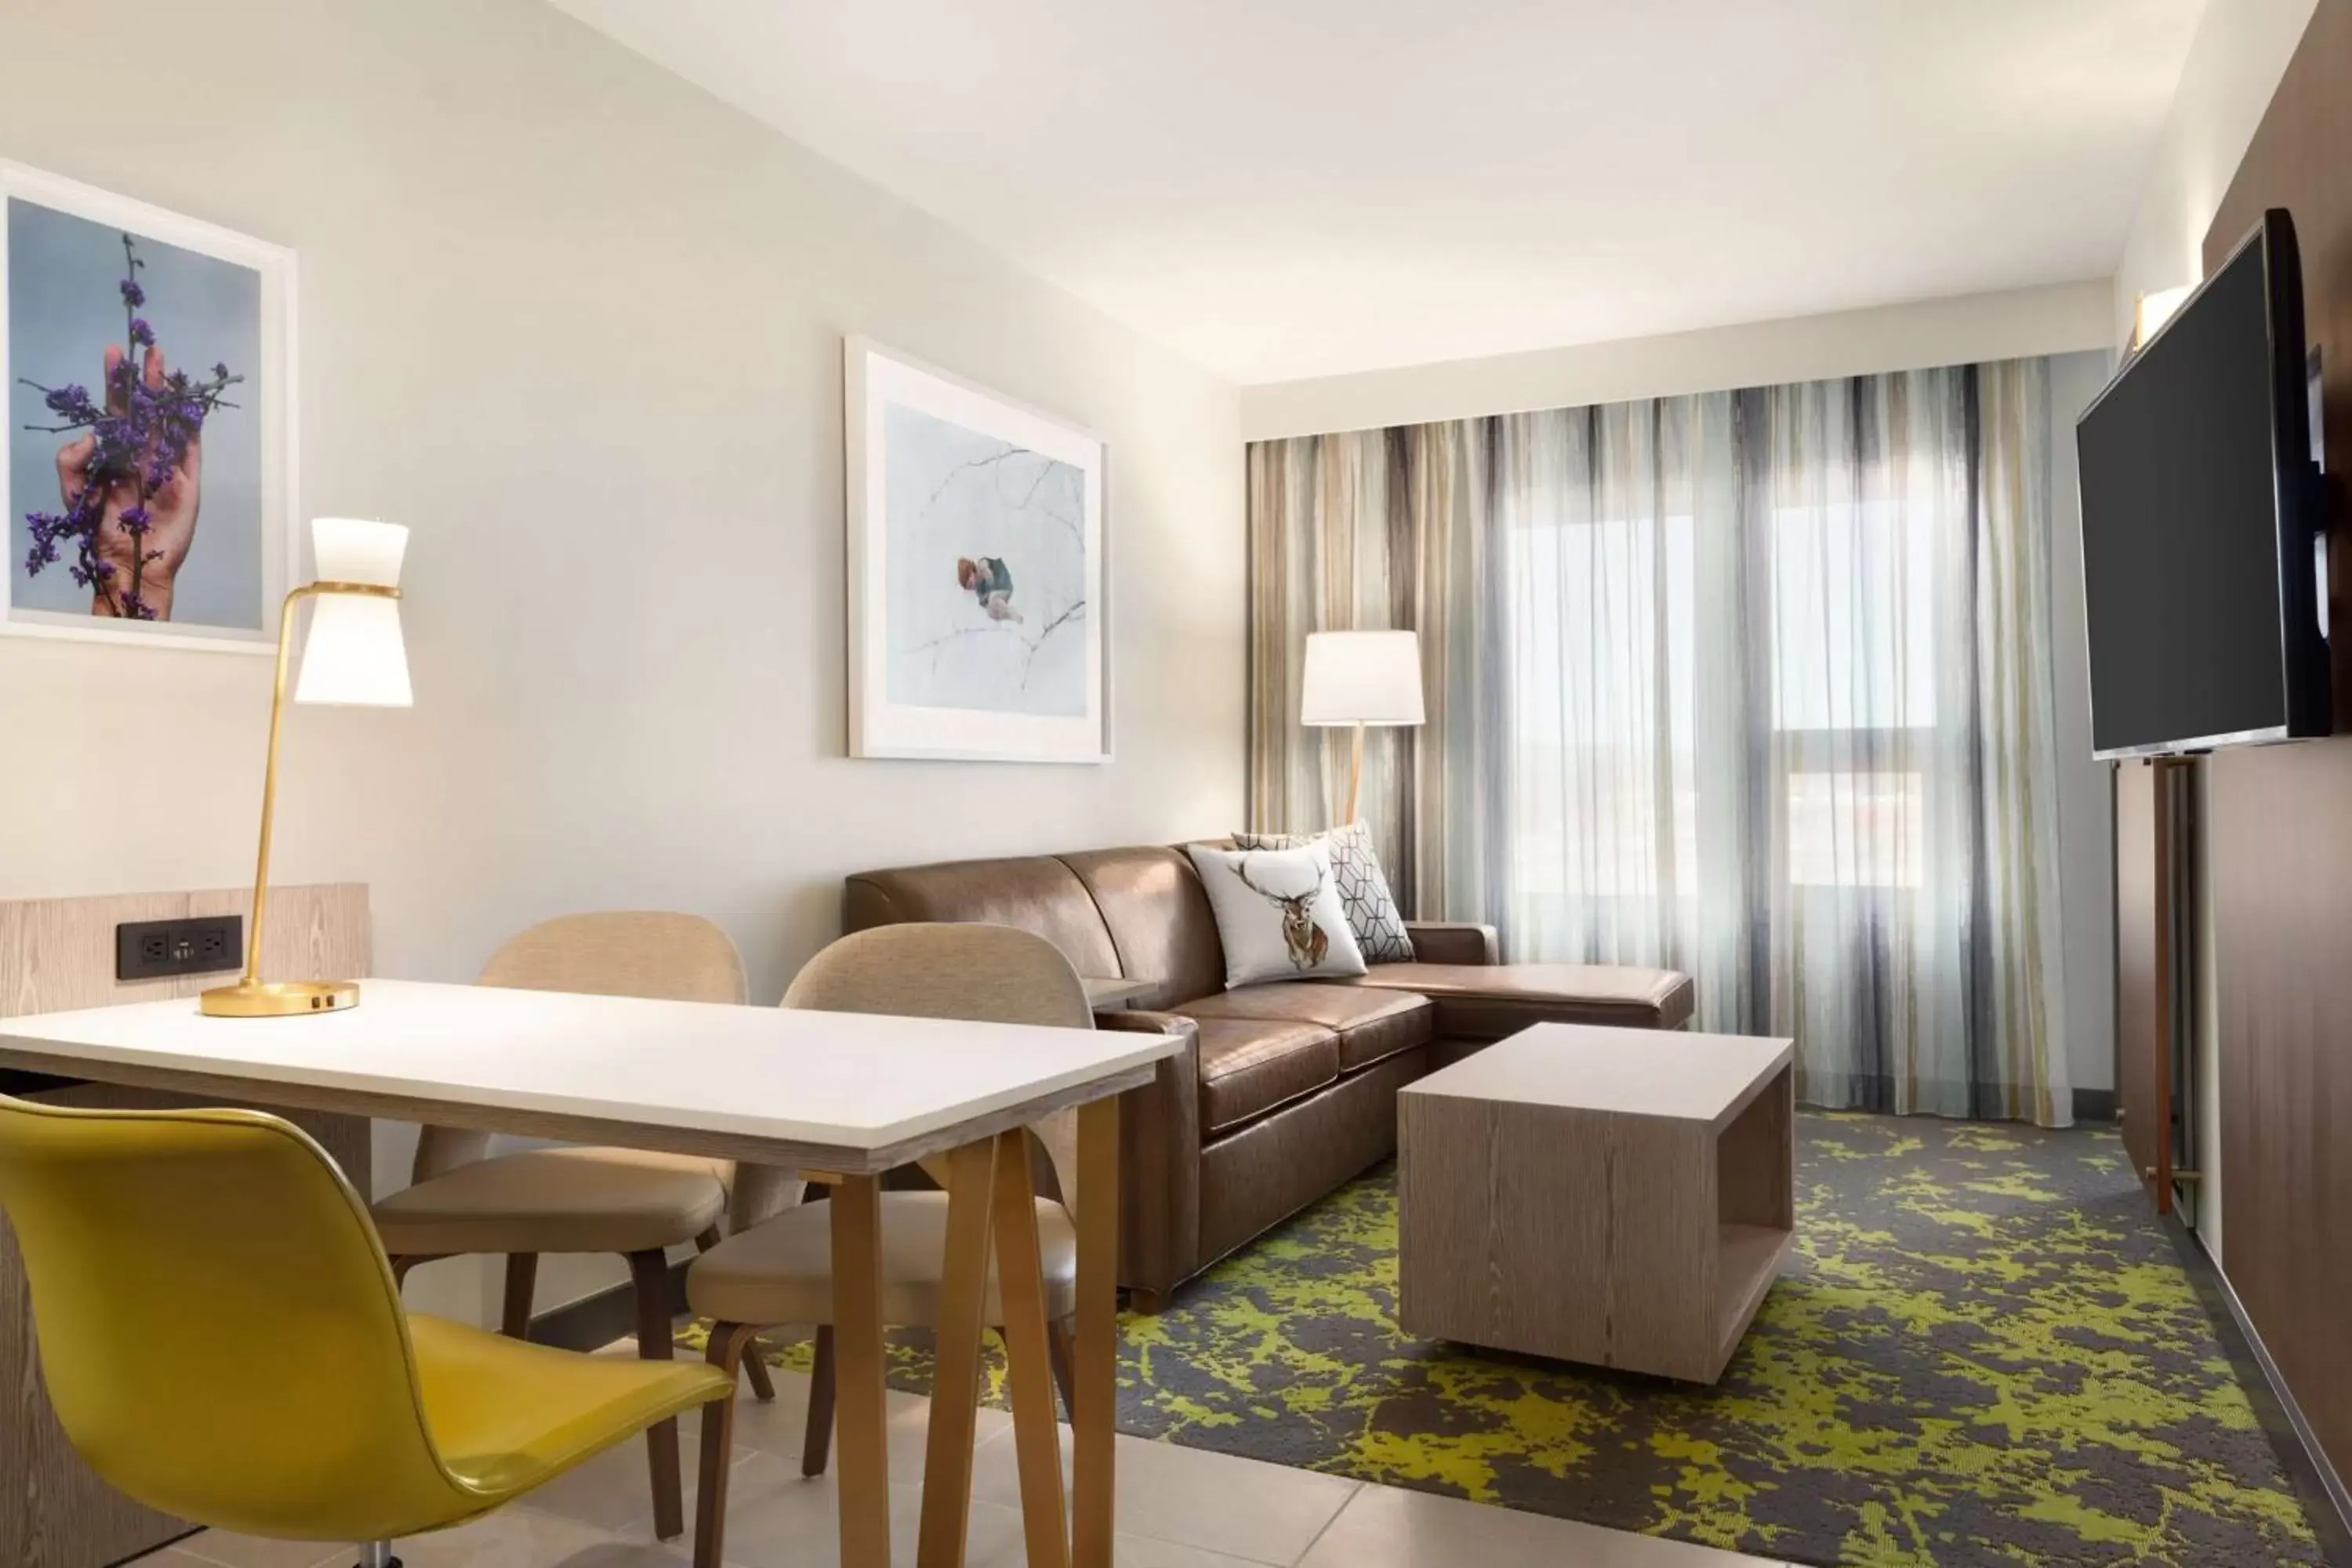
354, 654
1361, 677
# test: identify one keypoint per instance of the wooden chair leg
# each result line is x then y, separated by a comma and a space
1059, 1335
755, 1372
816, 1444
400, 1265
656, 1329
522, 1279
755, 1359
726, 1345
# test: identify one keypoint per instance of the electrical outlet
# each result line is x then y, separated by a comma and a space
154, 950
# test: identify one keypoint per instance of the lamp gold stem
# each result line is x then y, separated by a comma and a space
250, 997
1355, 776
270, 790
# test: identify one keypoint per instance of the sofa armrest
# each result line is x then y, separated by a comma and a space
1454, 941
1160, 1161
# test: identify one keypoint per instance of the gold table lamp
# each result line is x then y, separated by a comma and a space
353, 656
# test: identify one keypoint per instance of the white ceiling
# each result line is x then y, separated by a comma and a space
1289, 188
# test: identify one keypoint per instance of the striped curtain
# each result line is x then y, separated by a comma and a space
1754, 685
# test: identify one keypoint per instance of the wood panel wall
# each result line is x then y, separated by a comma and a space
2280, 820
56, 954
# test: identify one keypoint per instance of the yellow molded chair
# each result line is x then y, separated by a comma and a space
222, 1339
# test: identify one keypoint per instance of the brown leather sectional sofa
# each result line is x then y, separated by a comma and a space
1285, 1089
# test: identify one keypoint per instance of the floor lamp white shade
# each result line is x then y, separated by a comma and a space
1361, 678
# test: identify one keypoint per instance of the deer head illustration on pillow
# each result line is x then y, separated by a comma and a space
1307, 941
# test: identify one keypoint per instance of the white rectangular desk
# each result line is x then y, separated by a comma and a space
847, 1093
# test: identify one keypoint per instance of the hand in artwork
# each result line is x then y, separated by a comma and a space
139, 545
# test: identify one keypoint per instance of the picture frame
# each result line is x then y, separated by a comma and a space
221, 538
978, 571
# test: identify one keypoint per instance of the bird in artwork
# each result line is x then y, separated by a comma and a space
990, 581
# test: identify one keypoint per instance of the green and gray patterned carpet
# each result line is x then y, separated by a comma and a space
1983, 1350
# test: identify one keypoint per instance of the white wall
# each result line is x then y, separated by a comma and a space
2242, 49
1964, 330
2234, 65
578, 325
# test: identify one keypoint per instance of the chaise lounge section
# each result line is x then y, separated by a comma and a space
1286, 1090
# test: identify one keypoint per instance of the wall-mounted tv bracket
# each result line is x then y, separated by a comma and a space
2323, 493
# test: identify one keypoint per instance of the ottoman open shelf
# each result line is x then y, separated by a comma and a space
1619, 1196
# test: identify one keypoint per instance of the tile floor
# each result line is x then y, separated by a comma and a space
1178, 1508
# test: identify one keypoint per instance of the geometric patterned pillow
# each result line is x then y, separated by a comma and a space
1372, 912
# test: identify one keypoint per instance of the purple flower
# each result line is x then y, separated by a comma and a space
133, 295
142, 334
134, 519
71, 403
220, 369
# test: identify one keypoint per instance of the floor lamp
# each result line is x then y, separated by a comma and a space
1361, 678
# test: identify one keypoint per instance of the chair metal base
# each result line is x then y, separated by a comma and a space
377, 1554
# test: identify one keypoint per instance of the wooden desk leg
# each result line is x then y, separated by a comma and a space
1029, 1368
861, 1439
1095, 1377
955, 1389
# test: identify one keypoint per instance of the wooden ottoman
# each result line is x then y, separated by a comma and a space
1618, 1196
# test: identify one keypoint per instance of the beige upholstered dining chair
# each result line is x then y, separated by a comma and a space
626, 1201
779, 1271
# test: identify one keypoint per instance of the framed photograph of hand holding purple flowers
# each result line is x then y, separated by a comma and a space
148, 463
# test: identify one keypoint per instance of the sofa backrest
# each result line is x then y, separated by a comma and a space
1160, 918
1035, 893
1136, 913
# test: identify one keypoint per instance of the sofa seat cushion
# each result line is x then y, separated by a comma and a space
1372, 1025
1489, 1001
1251, 1066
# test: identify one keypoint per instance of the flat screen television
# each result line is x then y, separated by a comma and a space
2203, 522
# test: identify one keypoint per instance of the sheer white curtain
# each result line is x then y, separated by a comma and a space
1761, 690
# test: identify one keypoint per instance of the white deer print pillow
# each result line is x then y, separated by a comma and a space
1278, 913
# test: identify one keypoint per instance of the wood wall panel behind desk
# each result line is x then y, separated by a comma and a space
57, 954
2280, 830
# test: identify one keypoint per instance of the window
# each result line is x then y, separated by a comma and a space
1603, 639
1603, 715
1852, 620
1854, 682
1855, 829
